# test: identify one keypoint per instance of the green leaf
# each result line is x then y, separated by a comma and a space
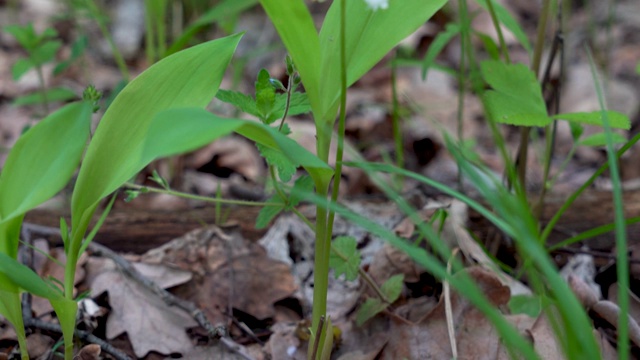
243, 102
392, 288
616, 119
298, 104
525, 304
516, 97
285, 167
25, 35
25, 278
268, 213
77, 49
345, 257
192, 128
220, 11
43, 159
45, 52
489, 45
600, 139
188, 78
369, 309
265, 95
20, 67
297, 30
54, 94
509, 22
303, 185
370, 36
576, 130
441, 40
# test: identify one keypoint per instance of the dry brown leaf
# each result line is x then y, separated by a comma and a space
150, 324
89, 352
544, 339
476, 337
38, 345
229, 272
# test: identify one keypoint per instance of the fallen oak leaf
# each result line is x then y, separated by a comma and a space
150, 324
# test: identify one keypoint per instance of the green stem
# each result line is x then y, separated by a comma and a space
43, 90
396, 123
198, 197
535, 66
556, 217
95, 13
496, 24
324, 221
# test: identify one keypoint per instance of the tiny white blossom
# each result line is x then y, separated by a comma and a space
377, 4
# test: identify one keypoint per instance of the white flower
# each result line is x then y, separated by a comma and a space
377, 4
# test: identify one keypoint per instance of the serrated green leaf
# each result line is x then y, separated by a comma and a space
392, 288
616, 119
441, 40
345, 257
298, 104
369, 309
54, 94
268, 213
265, 96
286, 168
242, 101
304, 184
600, 139
516, 97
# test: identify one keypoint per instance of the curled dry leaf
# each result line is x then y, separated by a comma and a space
89, 352
585, 294
610, 312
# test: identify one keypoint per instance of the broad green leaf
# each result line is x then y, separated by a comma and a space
43, 159
345, 257
192, 128
268, 213
220, 11
516, 97
441, 40
265, 95
54, 94
188, 78
370, 35
600, 139
616, 119
295, 26
509, 22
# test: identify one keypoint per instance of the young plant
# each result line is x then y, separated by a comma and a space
38, 166
353, 38
40, 49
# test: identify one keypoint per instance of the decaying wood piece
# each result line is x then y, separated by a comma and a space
138, 231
